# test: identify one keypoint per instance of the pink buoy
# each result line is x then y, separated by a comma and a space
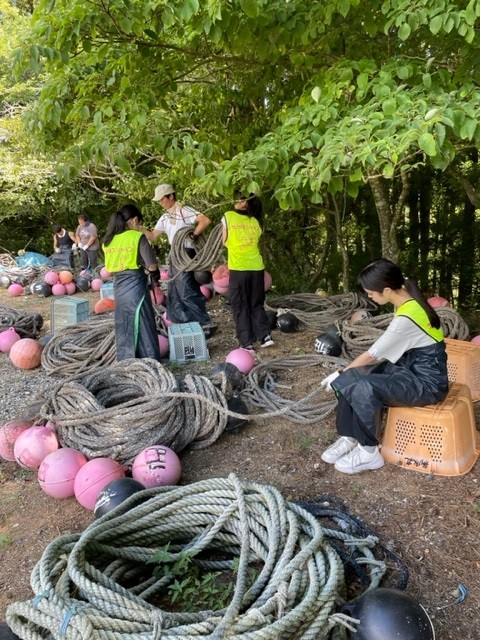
65, 277
157, 295
243, 359
157, 466
475, 340
221, 275
437, 302
166, 320
59, 289
51, 278
221, 289
8, 339
164, 275
96, 284
33, 445
26, 353
104, 274
70, 288
15, 290
9, 434
163, 345
206, 292
56, 474
267, 280
93, 477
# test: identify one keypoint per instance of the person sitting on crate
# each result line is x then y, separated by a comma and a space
129, 258
412, 371
185, 301
63, 246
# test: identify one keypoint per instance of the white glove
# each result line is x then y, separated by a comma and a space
74, 247
57, 250
83, 246
326, 383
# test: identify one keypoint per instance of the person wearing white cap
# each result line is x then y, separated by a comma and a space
185, 301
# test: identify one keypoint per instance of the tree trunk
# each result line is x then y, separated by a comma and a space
386, 218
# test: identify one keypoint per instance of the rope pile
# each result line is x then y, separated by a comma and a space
359, 336
81, 348
209, 250
27, 325
119, 410
317, 312
99, 585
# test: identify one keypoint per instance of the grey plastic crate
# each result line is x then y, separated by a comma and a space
187, 343
66, 311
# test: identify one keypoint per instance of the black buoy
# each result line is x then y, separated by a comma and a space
287, 322
115, 493
237, 405
234, 376
328, 344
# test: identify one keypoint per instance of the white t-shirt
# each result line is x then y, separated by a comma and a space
401, 335
177, 217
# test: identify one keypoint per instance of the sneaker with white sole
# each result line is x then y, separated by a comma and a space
359, 459
267, 341
338, 449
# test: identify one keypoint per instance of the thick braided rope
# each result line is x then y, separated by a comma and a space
359, 336
25, 324
209, 250
100, 585
316, 312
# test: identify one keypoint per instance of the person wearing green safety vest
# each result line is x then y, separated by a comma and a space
405, 367
129, 257
246, 287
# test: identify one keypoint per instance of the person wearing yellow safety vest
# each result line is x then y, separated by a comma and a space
129, 256
405, 367
246, 288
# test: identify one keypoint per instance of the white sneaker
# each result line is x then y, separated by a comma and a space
338, 449
359, 459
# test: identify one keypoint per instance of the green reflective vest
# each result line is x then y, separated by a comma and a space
411, 309
243, 234
122, 252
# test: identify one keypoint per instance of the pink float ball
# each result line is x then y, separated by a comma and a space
56, 474
164, 345
221, 275
96, 284
267, 280
93, 477
244, 360
206, 292
104, 274
157, 295
8, 435
157, 466
15, 290
70, 288
223, 290
26, 353
59, 289
8, 339
65, 277
51, 278
166, 320
437, 302
164, 274
475, 340
33, 445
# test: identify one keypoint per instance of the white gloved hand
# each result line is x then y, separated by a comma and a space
326, 383
57, 250
83, 246
74, 247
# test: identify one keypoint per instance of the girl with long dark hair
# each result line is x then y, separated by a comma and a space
129, 256
405, 367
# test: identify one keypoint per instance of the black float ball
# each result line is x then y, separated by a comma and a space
237, 405
115, 493
6, 633
38, 320
287, 322
389, 614
83, 283
43, 341
41, 289
203, 277
328, 344
272, 318
234, 376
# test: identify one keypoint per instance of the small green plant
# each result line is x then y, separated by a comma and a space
187, 586
5, 540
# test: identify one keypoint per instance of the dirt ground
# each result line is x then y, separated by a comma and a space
432, 522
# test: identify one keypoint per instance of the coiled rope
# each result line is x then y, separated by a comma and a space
317, 312
209, 250
27, 325
99, 584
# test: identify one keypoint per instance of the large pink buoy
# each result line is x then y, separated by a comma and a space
475, 340
9, 434
93, 477
33, 445
243, 359
51, 278
15, 290
221, 289
104, 274
206, 292
70, 288
59, 289
56, 474
221, 275
157, 295
164, 275
437, 302
8, 339
96, 284
157, 466
26, 353
267, 280
163, 345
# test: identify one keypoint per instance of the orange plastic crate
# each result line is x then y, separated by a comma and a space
440, 439
463, 364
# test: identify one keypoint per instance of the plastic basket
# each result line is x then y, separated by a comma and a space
67, 311
463, 364
106, 291
440, 439
187, 343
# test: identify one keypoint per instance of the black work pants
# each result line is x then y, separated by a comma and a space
246, 294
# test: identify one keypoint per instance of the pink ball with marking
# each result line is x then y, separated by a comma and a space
157, 466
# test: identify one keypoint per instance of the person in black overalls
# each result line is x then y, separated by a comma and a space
63, 245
